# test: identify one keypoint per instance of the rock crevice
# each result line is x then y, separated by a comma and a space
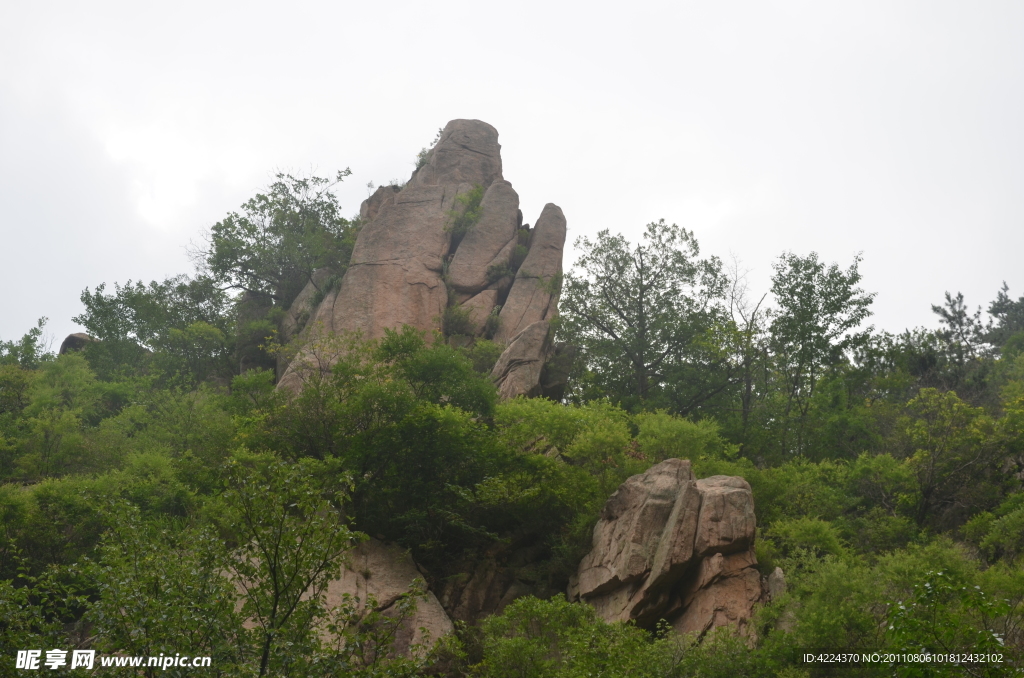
669, 546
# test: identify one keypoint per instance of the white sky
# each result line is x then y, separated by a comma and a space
892, 128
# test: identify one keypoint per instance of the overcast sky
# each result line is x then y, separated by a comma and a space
895, 129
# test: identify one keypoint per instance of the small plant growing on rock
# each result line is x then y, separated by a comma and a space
465, 215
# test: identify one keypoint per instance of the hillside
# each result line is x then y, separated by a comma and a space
412, 442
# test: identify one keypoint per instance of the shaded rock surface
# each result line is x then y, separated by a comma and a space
519, 367
385, 572
489, 242
406, 270
534, 294
75, 342
668, 546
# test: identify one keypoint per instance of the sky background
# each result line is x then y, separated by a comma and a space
895, 129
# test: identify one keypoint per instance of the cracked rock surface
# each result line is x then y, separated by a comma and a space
407, 269
669, 546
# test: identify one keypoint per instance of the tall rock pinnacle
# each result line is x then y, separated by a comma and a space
409, 265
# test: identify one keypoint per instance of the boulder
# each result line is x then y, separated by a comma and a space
486, 240
668, 546
722, 592
534, 294
467, 153
727, 521
775, 584
518, 369
75, 342
385, 572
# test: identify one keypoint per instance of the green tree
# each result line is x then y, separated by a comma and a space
291, 536
954, 451
29, 351
1009, 320
814, 330
180, 326
647, 318
281, 237
161, 590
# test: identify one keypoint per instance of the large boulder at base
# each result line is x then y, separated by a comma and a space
519, 367
534, 294
406, 270
385, 572
668, 546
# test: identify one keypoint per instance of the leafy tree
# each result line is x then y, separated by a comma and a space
281, 237
291, 536
954, 452
162, 590
964, 333
814, 331
543, 639
1009, 320
29, 351
645, 318
182, 325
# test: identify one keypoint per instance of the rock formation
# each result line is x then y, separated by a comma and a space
75, 342
385, 572
408, 266
668, 546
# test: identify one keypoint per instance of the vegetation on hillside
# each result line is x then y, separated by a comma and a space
158, 491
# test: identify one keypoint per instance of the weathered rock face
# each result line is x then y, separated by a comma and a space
519, 367
487, 241
534, 294
386, 572
670, 546
405, 268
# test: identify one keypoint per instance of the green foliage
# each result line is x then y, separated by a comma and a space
811, 534
952, 450
281, 237
455, 321
271, 504
363, 637
643, 317
161, 590
27, 352
465, 215
814, 331
536, 639
932, 620
34, 611
662, 436
424, 155
181, 326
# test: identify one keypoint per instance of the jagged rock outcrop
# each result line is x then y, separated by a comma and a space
406, 268
668, 546
385, 572
534, 294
